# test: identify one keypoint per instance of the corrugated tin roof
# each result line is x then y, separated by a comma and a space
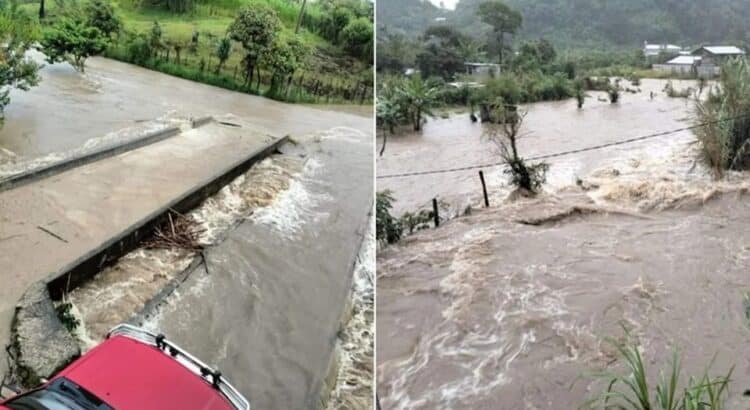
724, 50
684, 60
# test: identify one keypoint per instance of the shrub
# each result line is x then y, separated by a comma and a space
356, 38
725, 124
388, 229
505, 134
139, 50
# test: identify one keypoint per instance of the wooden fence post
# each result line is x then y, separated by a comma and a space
435, 214
484, 190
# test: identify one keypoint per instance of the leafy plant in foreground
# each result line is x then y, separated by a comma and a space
632, 391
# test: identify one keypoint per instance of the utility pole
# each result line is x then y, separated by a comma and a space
301, 14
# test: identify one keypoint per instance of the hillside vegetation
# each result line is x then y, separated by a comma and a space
588, 23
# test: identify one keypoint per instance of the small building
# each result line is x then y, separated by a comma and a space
655, 50
483, 69
682, 65
712, 57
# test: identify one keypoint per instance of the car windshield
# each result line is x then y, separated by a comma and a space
61, 394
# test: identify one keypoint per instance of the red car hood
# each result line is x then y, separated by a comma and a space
130, 375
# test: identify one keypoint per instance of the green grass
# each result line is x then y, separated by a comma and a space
633, 390
327, 62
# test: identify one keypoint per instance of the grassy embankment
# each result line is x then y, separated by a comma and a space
328, 76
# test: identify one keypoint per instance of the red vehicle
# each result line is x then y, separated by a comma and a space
133, 369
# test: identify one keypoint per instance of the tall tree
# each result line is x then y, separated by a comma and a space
282, 58
17, 35
71, 39
256, 28
101, 14
503, 19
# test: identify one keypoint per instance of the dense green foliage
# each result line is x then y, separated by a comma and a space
17, 35
587, 23
255, 28
101, 14
189, 41
357, 38
72, 39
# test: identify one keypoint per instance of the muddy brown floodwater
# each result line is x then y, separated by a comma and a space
549, 128
67, 108
506, 308
282, 238
266, 306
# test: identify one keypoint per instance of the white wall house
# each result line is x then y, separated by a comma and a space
654, 50
712, 57
482, 69
681, 65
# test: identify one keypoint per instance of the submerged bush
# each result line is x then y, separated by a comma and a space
614, 93
505, 134
724, 120
674, 93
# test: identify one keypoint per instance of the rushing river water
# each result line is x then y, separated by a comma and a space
67, 109
548, 128
509, 307
281, 239
277, 277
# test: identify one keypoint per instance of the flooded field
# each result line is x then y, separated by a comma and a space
269, 295
549, 128
509, 307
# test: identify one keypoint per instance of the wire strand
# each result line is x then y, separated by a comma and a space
564, 153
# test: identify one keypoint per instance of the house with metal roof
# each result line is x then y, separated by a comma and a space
680, 65
712, 57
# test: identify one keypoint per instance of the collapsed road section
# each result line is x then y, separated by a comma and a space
257, 291
64, 228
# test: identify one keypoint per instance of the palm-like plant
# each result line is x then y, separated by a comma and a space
389, 114
419, 97
471, 50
